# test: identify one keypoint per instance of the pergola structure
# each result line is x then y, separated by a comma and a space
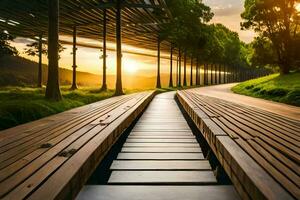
133, 22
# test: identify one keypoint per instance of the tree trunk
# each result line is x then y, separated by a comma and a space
52, 90
284, 69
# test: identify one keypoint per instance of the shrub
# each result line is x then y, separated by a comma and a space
249, 87
294, 97
256, 89
277, 92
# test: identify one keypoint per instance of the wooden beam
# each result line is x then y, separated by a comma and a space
219, 74
191, 74
104, 84
40, 69
184, 70
179, 69
171, 67
74, 66
119, 89
158, 83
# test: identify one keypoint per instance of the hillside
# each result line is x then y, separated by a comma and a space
18, 71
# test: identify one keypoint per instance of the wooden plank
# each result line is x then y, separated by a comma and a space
160, 156
161, 133
260, 184
112, 192
160, 137
139, 144
180, 140
162, 177
160, 150
160, 165
52, 137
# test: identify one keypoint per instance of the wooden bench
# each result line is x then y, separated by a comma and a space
53, 157
259, 150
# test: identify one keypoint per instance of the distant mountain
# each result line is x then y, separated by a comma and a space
18, 71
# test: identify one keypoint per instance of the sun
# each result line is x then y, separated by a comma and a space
131, 66
297, 7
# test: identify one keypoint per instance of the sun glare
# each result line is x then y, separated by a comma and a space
130, 66
297, 6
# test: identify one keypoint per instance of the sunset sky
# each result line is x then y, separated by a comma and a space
226, 12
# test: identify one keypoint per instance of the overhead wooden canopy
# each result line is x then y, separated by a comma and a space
141, 19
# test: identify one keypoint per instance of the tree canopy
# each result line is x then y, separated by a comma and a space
5, 47
277, 23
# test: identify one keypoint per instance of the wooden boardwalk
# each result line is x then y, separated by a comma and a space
259, 150
161, 159
53, 157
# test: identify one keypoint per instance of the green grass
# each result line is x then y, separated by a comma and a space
280, 88
19, 105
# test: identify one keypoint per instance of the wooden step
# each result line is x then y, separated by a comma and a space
161, 150
162, 177
160, 156
160, 165
180, 140
162, 133
160, 136
116, 192
140, 144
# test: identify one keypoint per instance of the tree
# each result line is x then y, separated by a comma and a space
5, 47
38, 49
33, 49
276, 22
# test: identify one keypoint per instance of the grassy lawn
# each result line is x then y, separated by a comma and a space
19, 105
280, 88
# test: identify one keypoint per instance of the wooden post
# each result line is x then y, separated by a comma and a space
177, 66
219, 81
52, 90
74, 84
171, 67
184, 70
211, 74
104, 84
191, 79
197, 71
40, 70
179, 69
216, 75
204, 74
158, 84
119, 89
